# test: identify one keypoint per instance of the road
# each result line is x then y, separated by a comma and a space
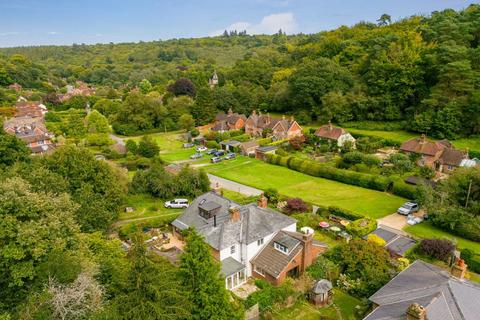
234, 186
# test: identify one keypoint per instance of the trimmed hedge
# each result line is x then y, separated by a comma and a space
344, 213
361, 227
364, 180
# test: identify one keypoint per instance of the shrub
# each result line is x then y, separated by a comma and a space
268, 295
402, 189
264, 141
272, 195
376, 239
324, 269
295, 205
347, 214
440, 249
402, 263
471, 259
362, 227
213, 144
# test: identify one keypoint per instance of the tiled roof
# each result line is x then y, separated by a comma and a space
444, 297
255, 222
452, 157
250, 144
274, 261
330, 132
422, 146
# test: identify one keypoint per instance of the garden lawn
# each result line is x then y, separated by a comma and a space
342, 302
427, 230
315, 190
171, 146
146, 206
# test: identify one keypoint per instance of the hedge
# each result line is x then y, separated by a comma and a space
264, 141
361, 227
364, 180
471, 259
344, 213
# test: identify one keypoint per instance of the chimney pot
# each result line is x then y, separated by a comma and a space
416, 312
234, 213
459, 269
262, 201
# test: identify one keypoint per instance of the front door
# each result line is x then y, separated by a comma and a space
293, 273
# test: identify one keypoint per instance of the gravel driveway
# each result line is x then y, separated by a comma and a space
234, 186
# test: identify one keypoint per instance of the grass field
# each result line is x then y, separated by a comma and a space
171, 146
426, 230
320, 191
343, 303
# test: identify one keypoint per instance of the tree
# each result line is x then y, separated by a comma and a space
147, 147
203, 110
366, 266
145, 86
186, 122
384, 20
12, 149
96, 123
152, 290
182, 86
131, 146
201, 279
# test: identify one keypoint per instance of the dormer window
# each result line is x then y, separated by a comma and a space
280, 247
208, 209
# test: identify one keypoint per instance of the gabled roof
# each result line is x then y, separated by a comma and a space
452, 157
395, 241
249, 144
330, 132
443, 296
423, 146
255, 222
322, 286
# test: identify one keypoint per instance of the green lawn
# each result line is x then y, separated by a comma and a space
342, 302
426, 230
315, 190
146, 206
171, 146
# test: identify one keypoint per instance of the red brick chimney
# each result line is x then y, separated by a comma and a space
307, 254
234, 213
459, 269
262, 202
330, 127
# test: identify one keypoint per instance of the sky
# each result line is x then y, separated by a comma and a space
37, 22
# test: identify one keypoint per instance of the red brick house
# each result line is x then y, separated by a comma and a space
281, 128
230, 121
335, 134
438, 155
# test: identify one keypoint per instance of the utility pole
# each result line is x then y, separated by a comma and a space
468, 193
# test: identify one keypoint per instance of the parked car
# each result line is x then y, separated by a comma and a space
212, 151
196, 156
219, 153
216, 159
408, 208
202, 149
230, 155
176, 204
188, 145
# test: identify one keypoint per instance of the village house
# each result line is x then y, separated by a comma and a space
279, 129
425, 292
249, 240
24, 108
32, 131
248, 148
337, 135
438, 155
230, 121
80, 89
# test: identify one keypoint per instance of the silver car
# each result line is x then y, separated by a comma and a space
176, 204
408, 208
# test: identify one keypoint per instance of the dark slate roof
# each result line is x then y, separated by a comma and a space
444, 297
287, 241
255, 222
209, 205
274, 261
231, 266
396, 242
232, 143
322, 286
267, 148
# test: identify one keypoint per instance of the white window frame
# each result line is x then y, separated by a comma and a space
260, 242
280, 247
258, 270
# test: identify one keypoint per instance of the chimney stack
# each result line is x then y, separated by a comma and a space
459, 269
423, 138
216, 189
330, 127
416, 312
234, 213
262, 202
307, 239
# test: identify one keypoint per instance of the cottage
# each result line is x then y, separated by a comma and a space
30, 109
337, 135
227, 122
248, 148
425, 292
32, 131
240, 235
280, 129
438, 155
80, 89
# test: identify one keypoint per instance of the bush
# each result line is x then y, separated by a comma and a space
362, 227
295, 205
344, 213
402, 189
272, 195
324, 269
440, 249
213, 144
471, 259
264, 141
268, 295
376, 239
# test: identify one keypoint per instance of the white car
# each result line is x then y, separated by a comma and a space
202, 149
176, 204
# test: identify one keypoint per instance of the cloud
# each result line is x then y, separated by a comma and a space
268, 25
53, 33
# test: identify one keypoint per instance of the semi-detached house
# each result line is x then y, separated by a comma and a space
249, 240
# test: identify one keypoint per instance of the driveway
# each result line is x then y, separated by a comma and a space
233, 186
117, 139
395, 221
